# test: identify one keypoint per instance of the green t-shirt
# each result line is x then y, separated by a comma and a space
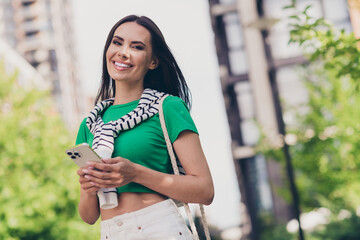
145, 143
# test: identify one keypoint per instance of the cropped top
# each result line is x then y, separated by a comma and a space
145, 144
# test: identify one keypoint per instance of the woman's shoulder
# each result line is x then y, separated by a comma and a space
82, 125
83, 122
83, 132
174, 102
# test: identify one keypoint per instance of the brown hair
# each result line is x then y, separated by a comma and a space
167, 77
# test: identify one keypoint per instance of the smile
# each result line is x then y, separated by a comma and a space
123, 65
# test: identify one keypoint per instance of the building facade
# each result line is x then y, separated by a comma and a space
257, 69
41, 32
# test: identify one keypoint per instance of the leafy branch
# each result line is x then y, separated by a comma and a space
321, 41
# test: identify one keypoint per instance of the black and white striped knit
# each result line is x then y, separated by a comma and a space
104, 133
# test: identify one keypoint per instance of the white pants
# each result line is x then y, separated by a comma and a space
161, 221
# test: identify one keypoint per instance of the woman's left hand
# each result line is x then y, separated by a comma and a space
114, 172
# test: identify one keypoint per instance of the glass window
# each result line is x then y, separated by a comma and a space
238, 62
336, 10
344, 25
227, 1
291, 88
316, 9
278, 40
234, 35
245, 99
250, 132
263, 185
256, 172
292, 91
274, 8
279, 33
249, 129
233, 31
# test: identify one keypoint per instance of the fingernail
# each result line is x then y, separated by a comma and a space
87, 176
85, 171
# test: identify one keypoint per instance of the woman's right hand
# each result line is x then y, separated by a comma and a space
86, 185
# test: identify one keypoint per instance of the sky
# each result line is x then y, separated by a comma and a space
187, 30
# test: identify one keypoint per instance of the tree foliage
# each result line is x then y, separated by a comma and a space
38, 184
321, 41
326, 155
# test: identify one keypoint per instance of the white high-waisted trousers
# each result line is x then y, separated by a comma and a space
161, 221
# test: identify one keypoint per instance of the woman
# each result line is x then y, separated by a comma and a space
138, 70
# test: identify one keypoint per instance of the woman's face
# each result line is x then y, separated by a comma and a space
129, 55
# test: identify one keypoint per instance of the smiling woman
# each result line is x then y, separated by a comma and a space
135, 184
130, 40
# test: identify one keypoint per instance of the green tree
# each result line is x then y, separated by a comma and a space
38, 184
326, 155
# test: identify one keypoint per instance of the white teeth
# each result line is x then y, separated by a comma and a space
122, 65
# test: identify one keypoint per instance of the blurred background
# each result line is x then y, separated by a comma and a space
275, 96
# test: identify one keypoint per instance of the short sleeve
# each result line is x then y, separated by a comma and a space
82, 136
177, 117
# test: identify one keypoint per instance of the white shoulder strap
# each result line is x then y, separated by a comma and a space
176, 172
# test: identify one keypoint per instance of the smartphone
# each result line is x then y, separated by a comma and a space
82, 153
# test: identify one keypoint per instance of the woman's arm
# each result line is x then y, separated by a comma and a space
194, 187
88, 206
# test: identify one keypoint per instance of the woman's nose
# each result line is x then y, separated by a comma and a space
124, 52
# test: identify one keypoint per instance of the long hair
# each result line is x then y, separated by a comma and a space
167, 77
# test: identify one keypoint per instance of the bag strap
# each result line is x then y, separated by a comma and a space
176, 172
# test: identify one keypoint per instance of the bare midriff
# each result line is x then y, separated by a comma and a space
130, 202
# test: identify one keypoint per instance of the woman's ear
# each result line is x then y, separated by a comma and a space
154, 64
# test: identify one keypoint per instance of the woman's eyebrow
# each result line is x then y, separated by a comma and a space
135, 42
120, 38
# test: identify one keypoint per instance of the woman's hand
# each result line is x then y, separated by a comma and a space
88, 206
85, 183
114, 172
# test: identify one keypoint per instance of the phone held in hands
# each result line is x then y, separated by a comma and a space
82, 153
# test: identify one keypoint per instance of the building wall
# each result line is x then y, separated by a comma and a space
40, 31
249, 71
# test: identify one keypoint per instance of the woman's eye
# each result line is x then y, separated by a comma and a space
116, 42
139, 47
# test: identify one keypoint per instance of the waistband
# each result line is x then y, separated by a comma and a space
143, 215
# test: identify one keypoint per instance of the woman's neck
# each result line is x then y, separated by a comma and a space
125, 93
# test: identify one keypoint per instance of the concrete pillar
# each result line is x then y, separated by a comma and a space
258, 69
